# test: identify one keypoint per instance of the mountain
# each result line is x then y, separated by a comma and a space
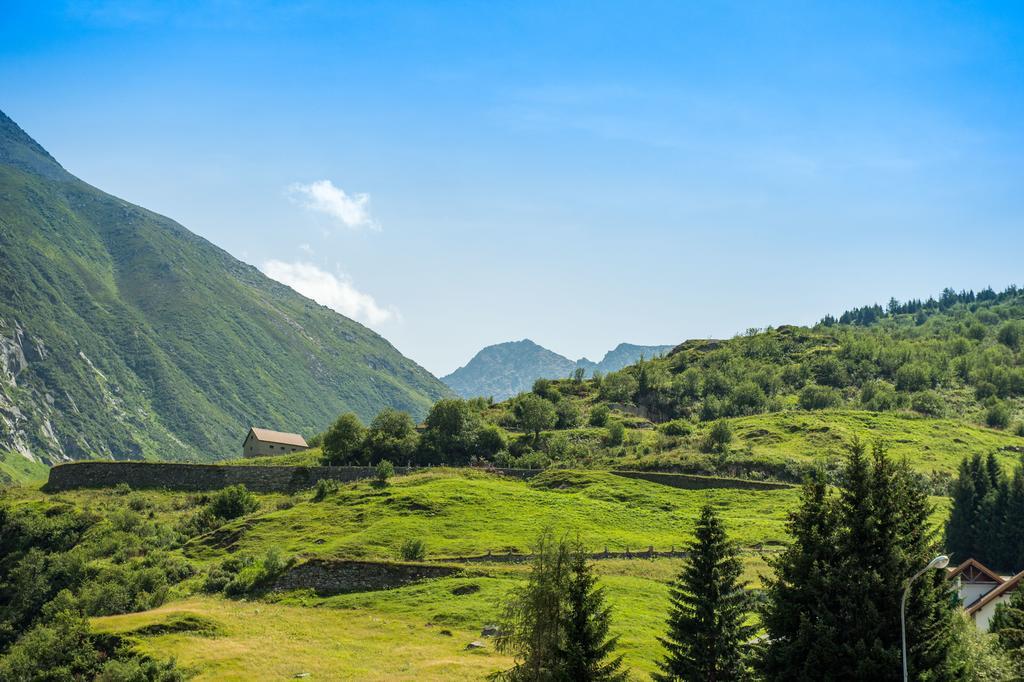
506, 369
124, 335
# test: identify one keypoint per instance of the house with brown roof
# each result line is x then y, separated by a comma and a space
981, 589
264, 442
984, 608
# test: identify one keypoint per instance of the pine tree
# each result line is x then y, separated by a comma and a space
1008, 626
800, 609
881, 537
1014, 524
587, 649
960, 538
706, 632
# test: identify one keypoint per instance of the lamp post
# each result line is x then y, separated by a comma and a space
938, 562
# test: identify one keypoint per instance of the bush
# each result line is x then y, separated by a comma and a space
256, 575
619, 387
719, 437
567, 414
323, 489
878, 396
413, 549
1020, 429
929, 403
914, 376
547, 389
813, 397
491, 439
1011, 334
998, 416
599, 415
384, 471
616, 433
232, 502
138, 669
676, 427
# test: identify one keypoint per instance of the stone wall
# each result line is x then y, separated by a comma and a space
325, 576
197, 477
693, 482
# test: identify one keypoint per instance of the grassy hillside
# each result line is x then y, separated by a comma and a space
459, 513
124, 335
416, 631
15, 469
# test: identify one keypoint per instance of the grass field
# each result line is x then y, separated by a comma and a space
460, 513
420, 631
801, 437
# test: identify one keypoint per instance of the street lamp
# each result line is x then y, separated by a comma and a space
938, 562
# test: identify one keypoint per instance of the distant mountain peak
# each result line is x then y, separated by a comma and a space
503, 370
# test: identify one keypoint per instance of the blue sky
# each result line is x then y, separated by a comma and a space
459, 174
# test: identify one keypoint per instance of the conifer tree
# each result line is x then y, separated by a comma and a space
1008, 626
706, 631
802, 646
881, 538
960, 527
586, 651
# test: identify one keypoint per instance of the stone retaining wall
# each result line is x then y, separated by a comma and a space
694, 482
197, 477
325, 576
287, 479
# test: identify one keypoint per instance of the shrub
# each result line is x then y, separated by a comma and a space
878, 396
914, 376
719, 437
1011, 334
384, 471
567, 414
998, 416
547, 389
413, 549
232, 502
1020, 429
813, 397
256, 575
491, 439
619, 387
599, 415
928, 402
676, 427
616, 433
324, 488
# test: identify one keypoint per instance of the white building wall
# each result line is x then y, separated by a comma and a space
971, 592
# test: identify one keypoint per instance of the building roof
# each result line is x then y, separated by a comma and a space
992, 595
973, 569
268, 436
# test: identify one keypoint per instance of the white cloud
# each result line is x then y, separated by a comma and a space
352, 211
336, 293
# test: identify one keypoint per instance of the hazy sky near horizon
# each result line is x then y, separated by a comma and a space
457, 174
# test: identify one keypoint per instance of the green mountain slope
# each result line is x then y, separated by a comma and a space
124, 335
506, 369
